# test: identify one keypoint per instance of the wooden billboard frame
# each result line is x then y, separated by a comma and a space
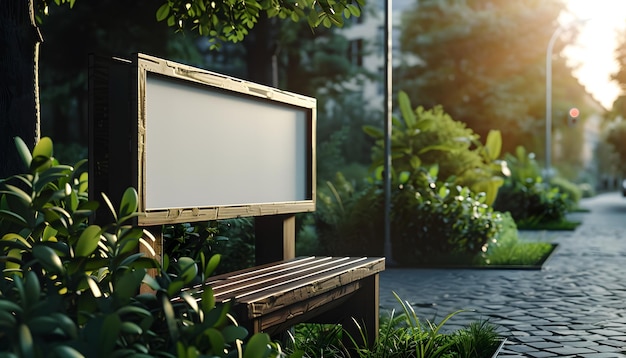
118, 129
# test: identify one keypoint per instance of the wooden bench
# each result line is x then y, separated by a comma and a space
135, 103
272, 298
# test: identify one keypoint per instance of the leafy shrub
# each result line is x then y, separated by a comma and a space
527, 197
440, 223
572, 191
350, 222
532, 202
71, 289
423, 138
232, 239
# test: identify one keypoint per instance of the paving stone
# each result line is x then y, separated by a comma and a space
607, 348
607, 332
522, 348
541, 354
562, 338
544, 345
570, 350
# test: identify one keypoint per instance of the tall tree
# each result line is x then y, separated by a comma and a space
484, 61
218, 20
19, 105
615, 126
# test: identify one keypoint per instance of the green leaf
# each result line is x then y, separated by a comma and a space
88, 241
17, 193
26, 343
216, 339
493, 145
83, 182
133, 310
111, 327
93, 286
129, 203
66, 351
163, 12
233, 333
42, 325
128, 284
66, 324
48, 233
23, 151
208, 299
10, 306
404, 177
43, 149
13, 217
170, 318
7, 320
131, 328
109, 205
32, 288
373, 132
191, 302
405, 108
354, 10
258, 346
415, 162
212, 265
48, 258
188, 268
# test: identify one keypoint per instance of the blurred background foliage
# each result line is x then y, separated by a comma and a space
480, 62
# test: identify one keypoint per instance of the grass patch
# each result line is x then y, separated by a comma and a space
508, 249
400, 336
558, 225
518, 253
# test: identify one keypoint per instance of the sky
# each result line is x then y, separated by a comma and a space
594, 50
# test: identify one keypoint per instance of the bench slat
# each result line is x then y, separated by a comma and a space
275, 286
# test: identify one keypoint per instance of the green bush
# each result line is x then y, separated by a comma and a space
424, 138
532, 202
69, 288
573, 192
527, 197
349, 221
440, 223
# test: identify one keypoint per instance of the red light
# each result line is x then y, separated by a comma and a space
574, 112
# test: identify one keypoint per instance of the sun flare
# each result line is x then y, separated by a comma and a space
594, 52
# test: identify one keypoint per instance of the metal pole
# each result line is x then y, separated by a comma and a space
549, 50
388, 108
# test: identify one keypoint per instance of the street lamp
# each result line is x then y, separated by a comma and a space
549, 50
388, 251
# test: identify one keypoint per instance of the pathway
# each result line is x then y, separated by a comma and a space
574, 307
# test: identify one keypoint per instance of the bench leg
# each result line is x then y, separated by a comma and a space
362, 307
358, 315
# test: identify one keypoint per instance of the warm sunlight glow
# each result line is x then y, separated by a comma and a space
594, 53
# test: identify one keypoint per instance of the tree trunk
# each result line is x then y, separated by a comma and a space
19, 100
260, 47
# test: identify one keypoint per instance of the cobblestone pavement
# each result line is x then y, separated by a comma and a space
574, 307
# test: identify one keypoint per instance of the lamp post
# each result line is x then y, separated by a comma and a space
388, 107
549, 50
